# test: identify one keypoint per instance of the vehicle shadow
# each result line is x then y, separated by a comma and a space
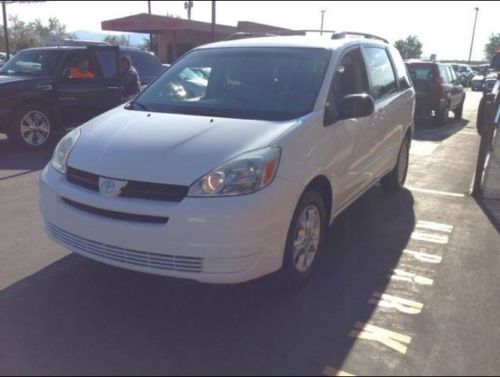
81, 317
426, 130
12, 158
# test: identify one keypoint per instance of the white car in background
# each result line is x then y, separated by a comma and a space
244, 180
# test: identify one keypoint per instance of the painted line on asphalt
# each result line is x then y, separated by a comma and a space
435, 192
410, 277
329, 371
429, 225
402, 305
393, 340
440, 239
424, 257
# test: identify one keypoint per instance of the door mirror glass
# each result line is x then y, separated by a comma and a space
356, 106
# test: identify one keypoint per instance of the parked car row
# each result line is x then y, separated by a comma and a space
438, 90
40, 95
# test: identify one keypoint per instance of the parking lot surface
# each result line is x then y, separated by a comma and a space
408, 285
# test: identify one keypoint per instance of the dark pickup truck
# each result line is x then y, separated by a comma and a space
40, 95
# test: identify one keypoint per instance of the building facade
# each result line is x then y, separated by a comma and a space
172, 37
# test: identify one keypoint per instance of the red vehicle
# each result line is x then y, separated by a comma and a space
438, 90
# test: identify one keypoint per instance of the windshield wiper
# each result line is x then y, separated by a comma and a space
138, 104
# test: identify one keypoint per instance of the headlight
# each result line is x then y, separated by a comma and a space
245, 174
63, 149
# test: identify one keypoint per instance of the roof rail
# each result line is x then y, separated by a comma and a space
273, 33
344, 34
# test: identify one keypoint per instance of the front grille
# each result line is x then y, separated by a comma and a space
161, 262
134, 189
116, 215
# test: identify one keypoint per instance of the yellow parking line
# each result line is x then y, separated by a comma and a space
329, 371
402, 305
410, 277
435, 192
395, 341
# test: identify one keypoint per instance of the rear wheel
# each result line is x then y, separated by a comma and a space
441, 117
395, 180
305, 239
31, 127
459, 111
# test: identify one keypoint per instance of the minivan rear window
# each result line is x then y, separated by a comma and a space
421, 72
246, 83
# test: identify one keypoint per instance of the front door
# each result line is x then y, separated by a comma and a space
88, 84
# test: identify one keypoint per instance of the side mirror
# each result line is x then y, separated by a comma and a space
356, 106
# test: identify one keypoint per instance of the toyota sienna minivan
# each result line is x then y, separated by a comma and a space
243, 176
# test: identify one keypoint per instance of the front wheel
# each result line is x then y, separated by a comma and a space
305, 239
395, 180
31, 128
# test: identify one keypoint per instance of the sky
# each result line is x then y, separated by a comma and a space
444, 28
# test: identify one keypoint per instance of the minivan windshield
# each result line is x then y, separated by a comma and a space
32, 63
246, 83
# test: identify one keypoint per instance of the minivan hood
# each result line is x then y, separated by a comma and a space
166, 148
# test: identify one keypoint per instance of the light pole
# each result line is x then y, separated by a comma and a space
188, 5
322, 20
5, 28
214, 37
151, 48
473, 34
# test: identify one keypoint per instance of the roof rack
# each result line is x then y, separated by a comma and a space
273, 33
344, 34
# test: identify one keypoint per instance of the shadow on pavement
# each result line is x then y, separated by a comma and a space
491, 209
80, 317
426, 130
17, 159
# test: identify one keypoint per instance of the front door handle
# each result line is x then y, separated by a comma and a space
44, 87
113, 87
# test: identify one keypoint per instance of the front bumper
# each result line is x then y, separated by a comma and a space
210, 240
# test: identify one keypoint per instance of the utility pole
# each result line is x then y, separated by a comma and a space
188, 5
151, 48
322, 19
473, 34
214, 37
5, 28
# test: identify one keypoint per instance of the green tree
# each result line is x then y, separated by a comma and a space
492, 46
24, 35
410, 48
118, 40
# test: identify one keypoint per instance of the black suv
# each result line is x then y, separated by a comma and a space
39, 97
491, 79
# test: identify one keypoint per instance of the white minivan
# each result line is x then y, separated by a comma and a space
241, 176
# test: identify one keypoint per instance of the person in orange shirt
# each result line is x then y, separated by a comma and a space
82, 71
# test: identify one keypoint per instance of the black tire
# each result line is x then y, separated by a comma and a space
459, 110
290, 273
395, 180
480, 117
35, 137
441, 117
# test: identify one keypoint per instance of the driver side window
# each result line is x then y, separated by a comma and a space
80, 66
350, 78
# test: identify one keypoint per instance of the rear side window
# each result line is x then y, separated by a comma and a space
381, 72
108, 62
145, 64
445, 74
401, 71
421, 72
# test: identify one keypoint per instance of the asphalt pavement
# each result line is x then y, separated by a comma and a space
408, 286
